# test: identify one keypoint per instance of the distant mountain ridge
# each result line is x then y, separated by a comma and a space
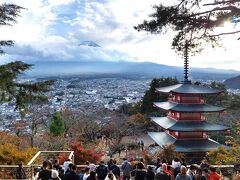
141, 69
233, 83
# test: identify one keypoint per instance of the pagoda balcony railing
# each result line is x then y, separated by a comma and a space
191, 137
187, 101
194, 118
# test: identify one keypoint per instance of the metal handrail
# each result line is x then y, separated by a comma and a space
71, 155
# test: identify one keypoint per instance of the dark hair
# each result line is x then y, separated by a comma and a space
140, 165
176, 159
164, 161
50, 165
45, 163
213, 169
70, 166
86, 169
193, 167
92, 174
114, 161
74, 167
150, 168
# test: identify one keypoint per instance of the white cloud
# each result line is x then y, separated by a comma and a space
53, 28
59, 2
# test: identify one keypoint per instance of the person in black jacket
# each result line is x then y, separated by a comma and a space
20, 172
114, 168
140, 172
45, 173
72, 175
101, 171
150, 173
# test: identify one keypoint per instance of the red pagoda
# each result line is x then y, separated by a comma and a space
185, 125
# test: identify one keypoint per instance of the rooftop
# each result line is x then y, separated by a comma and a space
184, 145
187, 125
187, 88
191, 108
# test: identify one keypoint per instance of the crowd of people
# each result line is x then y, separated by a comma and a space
175, 170
129, 169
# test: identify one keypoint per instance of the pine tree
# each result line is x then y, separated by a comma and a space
23, 94
57, 127
152, 96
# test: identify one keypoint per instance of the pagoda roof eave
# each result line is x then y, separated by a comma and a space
187, 125
187, 88
184, 145
188, 107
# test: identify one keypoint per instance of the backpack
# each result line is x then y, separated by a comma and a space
176, 171
115, 170
101, 171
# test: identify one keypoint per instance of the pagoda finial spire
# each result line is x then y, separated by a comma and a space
186, 64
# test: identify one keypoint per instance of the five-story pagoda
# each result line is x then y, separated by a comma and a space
186, 126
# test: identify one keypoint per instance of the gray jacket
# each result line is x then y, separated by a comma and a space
126, 168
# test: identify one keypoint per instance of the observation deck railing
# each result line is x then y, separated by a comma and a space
8, 172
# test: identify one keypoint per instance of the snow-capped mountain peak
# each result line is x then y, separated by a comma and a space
89, 43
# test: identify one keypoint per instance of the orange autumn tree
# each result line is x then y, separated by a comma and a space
11, 154
14, 149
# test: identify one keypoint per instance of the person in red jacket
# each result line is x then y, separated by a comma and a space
213, 175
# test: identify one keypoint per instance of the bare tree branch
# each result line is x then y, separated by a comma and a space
228, 33
221, 2
226, 8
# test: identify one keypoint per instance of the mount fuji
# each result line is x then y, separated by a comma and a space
89, 43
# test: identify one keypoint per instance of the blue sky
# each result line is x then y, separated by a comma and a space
52, 30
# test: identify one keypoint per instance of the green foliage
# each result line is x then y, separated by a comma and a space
57, 127
130, 109
192, 21
24, 94
8, 15
168, 152
219, 100
224, 156
152, 96
225, 99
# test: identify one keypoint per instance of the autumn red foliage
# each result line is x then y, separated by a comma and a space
82, 154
